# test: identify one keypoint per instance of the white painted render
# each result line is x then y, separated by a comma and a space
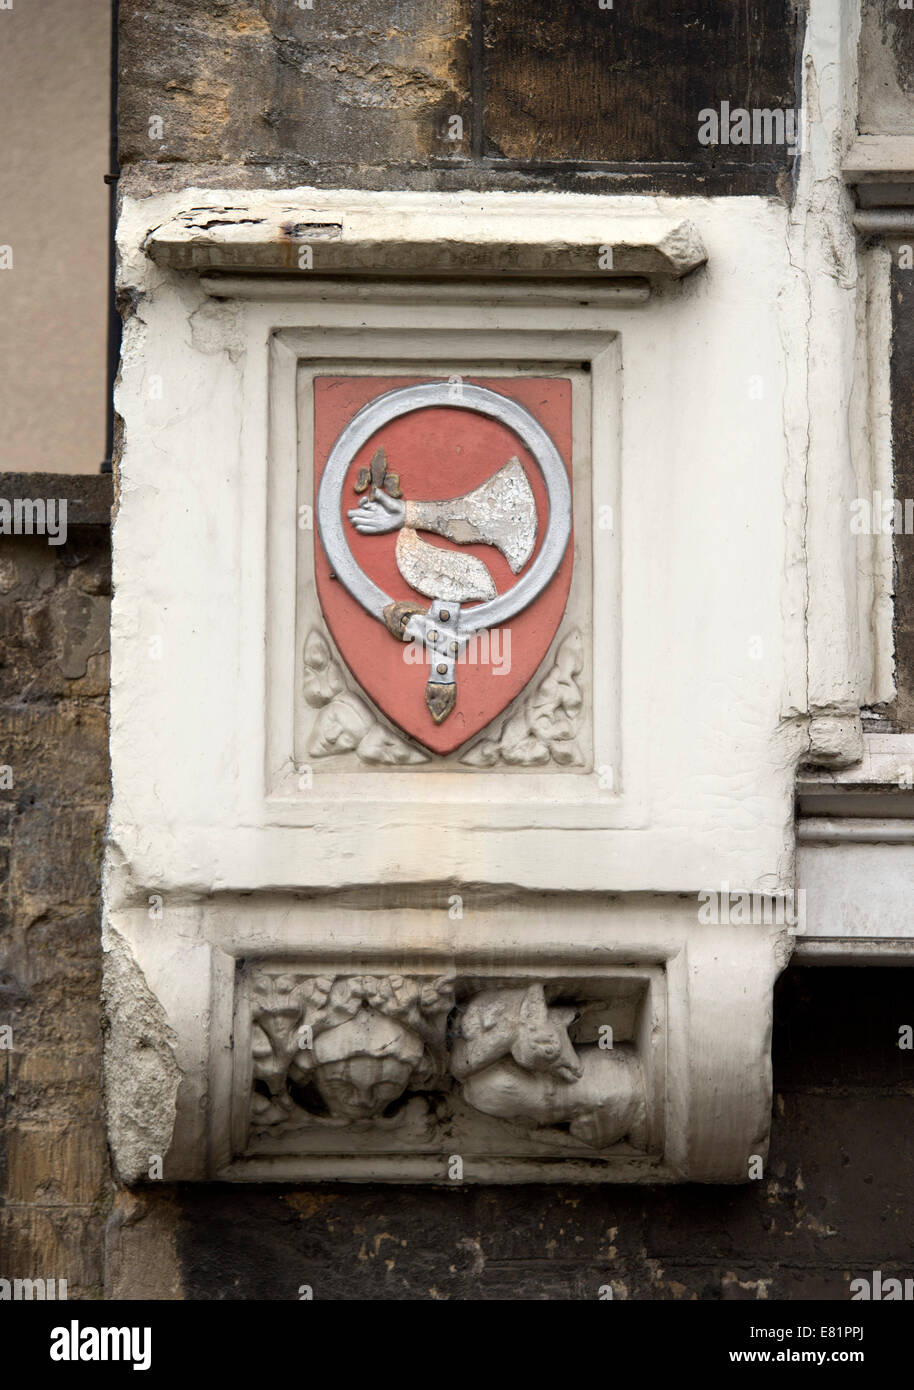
690, 581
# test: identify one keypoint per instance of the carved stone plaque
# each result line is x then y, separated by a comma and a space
445, 555
454, 719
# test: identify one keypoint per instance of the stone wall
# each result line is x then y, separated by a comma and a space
54, 602
365, 93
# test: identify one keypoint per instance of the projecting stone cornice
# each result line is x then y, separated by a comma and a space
855, 833
335, 232
881, 170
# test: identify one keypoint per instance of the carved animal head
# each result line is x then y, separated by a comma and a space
517, 1022
542, 1042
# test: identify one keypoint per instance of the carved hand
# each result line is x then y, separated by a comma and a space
381, 513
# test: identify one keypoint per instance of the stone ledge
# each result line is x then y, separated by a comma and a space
881, 170
410, 234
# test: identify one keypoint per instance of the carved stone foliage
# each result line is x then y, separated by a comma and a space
544, 728
373, 1054
345, 722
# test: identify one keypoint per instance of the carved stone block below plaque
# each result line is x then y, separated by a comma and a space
441, 1064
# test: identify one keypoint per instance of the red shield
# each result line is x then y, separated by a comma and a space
439, 453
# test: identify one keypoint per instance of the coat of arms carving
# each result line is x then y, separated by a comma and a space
445, 559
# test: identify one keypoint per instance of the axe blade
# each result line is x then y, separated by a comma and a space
500, 512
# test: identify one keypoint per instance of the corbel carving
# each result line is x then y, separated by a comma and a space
367, 1053
517, 1062
342, 1050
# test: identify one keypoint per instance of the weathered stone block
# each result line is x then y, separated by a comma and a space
257, 83
56, 1165
58, 755
56, 858
42, 1244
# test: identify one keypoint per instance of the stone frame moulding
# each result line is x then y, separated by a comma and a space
364, 965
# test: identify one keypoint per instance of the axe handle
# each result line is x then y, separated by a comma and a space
446, 519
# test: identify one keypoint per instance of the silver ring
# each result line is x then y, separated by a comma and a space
390, 406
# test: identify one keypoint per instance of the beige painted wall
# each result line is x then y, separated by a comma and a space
54, 101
